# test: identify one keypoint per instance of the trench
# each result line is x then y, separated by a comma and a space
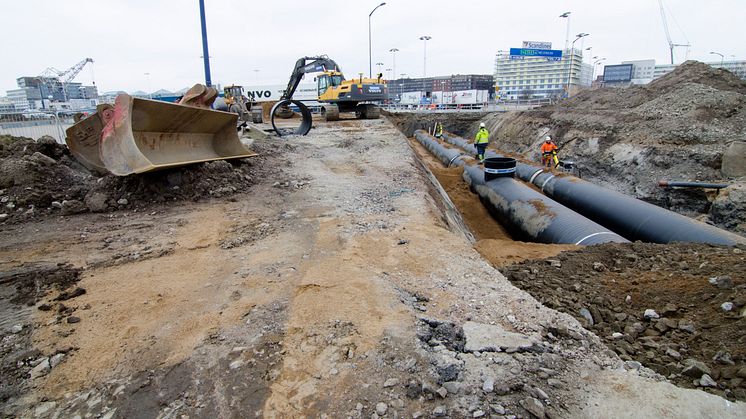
493, 241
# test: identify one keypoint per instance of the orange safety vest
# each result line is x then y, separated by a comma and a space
548, 148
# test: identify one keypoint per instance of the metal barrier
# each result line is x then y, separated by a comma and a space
501, 106
36, 124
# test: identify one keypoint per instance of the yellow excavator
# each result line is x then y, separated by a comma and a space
336, 94
236, 102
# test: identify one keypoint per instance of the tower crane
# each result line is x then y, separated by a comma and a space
51, 75
671, 45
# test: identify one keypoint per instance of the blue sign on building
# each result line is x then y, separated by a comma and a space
551, 54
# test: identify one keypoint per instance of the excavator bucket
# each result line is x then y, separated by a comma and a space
141, 135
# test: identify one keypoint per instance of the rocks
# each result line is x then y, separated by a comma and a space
381, 408
650, 314
73, 319
439, 411
724, 358
41, 369
96, 201
587, 316
726, 306
554, 263
236, 364
17, 328
599, 267
722, 282
478, 413
42, 159
492, 338
707, 381
453, 387
391, 382
442, 392
122, 201
72, 206
488, 385
695, 369
56, 359
533, 406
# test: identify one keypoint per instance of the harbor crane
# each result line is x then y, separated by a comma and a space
671, 44
52, 76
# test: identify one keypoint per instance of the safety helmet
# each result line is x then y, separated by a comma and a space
481, 125
547, 138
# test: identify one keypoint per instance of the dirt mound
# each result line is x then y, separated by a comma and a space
41, 178
676, 128
697, 293
697, 72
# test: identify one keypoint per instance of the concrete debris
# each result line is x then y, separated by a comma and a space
492, 338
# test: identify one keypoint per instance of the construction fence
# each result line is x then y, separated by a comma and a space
35, 125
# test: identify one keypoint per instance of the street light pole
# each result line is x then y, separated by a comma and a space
150, 94
572, 58
424, 65
379, 64
566, 15
721, 57
590, 53
370, 44
393, 52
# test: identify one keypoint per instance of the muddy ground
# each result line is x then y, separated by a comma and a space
679, 127
336, 284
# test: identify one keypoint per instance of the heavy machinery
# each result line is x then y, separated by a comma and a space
337, 94
140, 135
237, 102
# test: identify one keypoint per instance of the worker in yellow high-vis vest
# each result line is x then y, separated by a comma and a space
480, 141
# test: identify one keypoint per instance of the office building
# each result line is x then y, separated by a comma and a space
645, 71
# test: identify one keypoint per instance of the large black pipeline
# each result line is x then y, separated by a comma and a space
305, 113
526, 213
628, 216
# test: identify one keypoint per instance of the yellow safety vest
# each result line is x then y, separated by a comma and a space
482, 137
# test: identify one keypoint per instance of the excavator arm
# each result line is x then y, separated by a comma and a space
307, 65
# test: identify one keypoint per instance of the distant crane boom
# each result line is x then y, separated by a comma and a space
671, 44
50, 74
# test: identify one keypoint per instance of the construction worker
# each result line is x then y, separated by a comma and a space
481, 140
549, 153
438, 130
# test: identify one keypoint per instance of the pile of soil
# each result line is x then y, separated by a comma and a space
41, 178
675, 128
698, 294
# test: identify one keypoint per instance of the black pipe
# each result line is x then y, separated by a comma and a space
526, 213
305, 113
706, 185
630, 217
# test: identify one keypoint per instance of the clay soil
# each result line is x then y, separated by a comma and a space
616, 283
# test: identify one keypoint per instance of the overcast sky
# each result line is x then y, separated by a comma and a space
129, 38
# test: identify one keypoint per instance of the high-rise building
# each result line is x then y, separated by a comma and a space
540, 77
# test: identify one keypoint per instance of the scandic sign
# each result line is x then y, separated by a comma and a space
531, 52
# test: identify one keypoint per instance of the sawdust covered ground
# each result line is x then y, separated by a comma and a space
492, 240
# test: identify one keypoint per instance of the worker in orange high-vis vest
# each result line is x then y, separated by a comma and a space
549, 153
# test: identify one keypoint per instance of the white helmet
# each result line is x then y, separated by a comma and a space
481, 125
547, 138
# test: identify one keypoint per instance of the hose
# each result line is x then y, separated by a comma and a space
628, 216
527, 214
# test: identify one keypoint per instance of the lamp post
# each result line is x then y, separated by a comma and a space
379, 64
401, 85
393, 52
370, 45
256, 76
424, 65
595, 63
389, 71
566, 15
590, 53
721, 57
572, 57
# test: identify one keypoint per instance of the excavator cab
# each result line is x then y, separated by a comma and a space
328, 79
